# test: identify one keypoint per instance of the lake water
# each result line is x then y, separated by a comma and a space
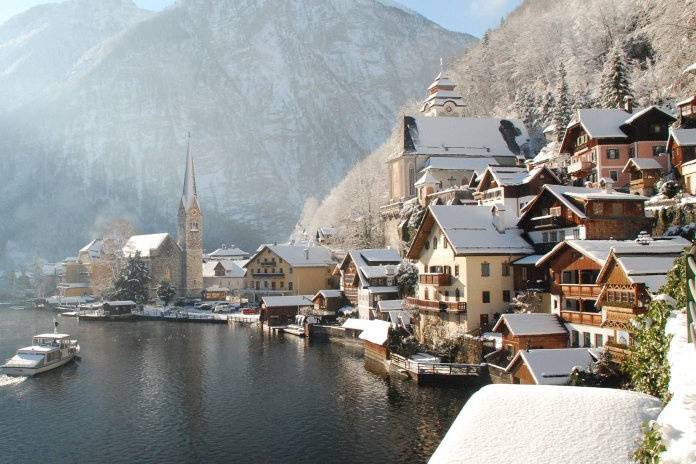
158, 392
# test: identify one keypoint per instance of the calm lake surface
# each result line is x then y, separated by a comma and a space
158, 392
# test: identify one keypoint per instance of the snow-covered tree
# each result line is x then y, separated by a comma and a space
133, 282
526, 108
548, 105
562, 111
614, 86
582, 99
406, 278
166, 292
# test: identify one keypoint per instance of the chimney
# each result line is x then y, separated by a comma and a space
628, 103
498, 213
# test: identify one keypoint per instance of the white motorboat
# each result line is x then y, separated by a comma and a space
47, 351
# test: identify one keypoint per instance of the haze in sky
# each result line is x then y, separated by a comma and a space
472, 16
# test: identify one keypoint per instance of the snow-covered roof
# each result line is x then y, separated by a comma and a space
442, 81
120, 303
469, 136
143, 244
356, 324
94, 249
508, 176
209, 268
638, 114
300, 256
376, 332
465, 163
329, 294
546, 430
288, 300
386, 289
399, 317
598, 250
642, 164
470, 230
373, 263
228, 252
683, 137
426, 178
390, 305
530, 324
528, 260
553, 366
603, 122
380, 255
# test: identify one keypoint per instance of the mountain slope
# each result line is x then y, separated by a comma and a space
281, 99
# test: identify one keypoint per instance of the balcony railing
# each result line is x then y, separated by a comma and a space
429, 305
580, 167
580, 290
579, 317
435, 279
268, 273
617, 351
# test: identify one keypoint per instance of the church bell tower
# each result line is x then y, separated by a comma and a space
190, 233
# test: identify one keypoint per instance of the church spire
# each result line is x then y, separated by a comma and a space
190, 193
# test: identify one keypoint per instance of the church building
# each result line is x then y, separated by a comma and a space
177, 261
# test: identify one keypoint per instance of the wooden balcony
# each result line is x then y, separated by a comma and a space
429, 305
590, 291
580, 168
617, 351
578, 317
268, 274
438, 279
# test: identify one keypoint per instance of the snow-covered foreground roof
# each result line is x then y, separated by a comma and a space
356, 324
542, 424
376, 332
553, 366
530, 324
390, 305
677, 419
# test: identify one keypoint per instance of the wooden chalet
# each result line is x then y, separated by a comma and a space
643, 174
281, 310
628, 280
526, 331
562, 212
601, 141
214, 293
681, 143
548, 367
327, 302
512, 187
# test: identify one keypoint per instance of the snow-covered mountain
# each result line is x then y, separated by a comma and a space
281, 98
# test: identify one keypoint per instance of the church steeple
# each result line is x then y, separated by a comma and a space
189, 197
190, 232
442, 100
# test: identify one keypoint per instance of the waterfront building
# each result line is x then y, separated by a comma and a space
224, 273
600, 141
289, 270
281, 310
524, 331
367, 277
548, 367
328, 302
464, 255
162, 256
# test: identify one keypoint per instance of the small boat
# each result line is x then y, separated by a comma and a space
47, 351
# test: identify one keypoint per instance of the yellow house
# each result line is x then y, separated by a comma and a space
464, 255
290, 270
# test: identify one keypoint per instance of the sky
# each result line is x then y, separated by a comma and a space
472, 16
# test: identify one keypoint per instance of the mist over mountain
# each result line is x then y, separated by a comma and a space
281, 99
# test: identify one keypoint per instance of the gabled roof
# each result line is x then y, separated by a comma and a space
526, 324
469, 230
466, 163
376, 332
228, 252
683, 137
328, 294
144, 244
390, 305
426, 178
94, 249
299, 256
372, 263
289, 300
452, 136
232, 268
552, 366
509, 176
642, 164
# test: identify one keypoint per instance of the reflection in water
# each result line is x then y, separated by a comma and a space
177, 392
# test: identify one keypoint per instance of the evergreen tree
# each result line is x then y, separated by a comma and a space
406, 278
132, 283
562, 110
526, 108
548, 105
166, 292
582, 99
614, 86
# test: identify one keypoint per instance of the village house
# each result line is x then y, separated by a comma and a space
328, 302
629, 279
512, 187
227, 253
281, 310
367, 277
75, 279
289, 270
525, 331
681, 143
561, 212
548, 367
226, 274
574, 267
643, 175
464, 256
450, 147
600, 141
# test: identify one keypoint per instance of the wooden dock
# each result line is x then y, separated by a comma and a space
426, 372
